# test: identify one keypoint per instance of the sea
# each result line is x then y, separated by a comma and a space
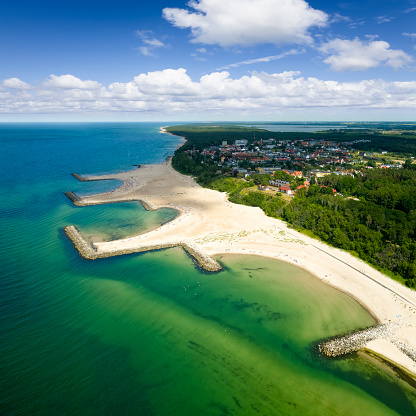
151, 333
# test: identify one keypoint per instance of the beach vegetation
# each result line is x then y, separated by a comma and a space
379, 234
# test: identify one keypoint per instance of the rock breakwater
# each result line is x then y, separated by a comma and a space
353, 342
81, 202
87, 250
357, 340
75, 198
406, 349
80, 177
89, 178
84, 248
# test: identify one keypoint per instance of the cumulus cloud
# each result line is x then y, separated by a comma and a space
166, 82
247, 22
15, 83
173, 91
355, 55
68, 82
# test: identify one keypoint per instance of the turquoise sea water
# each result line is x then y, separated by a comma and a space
151, 334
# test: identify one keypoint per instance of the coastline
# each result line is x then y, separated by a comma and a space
211, 225
164, 131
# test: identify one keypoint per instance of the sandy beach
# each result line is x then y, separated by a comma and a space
211, 225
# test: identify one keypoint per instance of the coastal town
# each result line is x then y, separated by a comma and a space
287, 166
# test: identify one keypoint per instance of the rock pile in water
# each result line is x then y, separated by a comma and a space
353, 342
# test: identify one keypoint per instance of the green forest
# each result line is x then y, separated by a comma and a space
373, 216
377, 221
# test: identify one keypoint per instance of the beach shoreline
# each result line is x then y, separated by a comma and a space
182, 139
213, 226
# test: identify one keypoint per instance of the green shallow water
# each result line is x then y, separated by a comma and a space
151, 334
124, 219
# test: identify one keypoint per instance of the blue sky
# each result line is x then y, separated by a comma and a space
208, 60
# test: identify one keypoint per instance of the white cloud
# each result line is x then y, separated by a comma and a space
166, 82
264, 59
16, 83
336, 18
70, 82
201, 51
410, 35
354, 24
146, 51
247, 22
150, 42
384, 19
172, 91
355, 55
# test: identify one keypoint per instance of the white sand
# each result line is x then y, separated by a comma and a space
213, 225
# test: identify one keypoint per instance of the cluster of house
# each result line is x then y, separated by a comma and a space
285, 187
310, 155
301, 153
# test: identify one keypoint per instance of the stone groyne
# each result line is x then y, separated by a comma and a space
147, 205
87, 250
353, 342
204, 261
75, 199
80, 177
81, 244
357, 340
406, 349
89, 179
80, 202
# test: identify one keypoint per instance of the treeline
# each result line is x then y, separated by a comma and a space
271, 205
200, 137
380, 226
389, 188
400, 144
208, 174
238, 193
